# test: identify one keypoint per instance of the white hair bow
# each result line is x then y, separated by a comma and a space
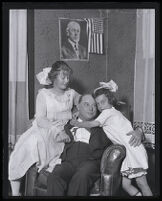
111, 85
42, 77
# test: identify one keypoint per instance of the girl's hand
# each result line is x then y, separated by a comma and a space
67, 139
136, 138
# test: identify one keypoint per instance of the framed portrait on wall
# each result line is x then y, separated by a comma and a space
73, 39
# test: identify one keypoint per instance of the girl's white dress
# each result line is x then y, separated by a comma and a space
38, 145
116, 126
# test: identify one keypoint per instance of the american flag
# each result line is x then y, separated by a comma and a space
95, 35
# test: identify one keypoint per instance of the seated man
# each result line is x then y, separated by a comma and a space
81, 158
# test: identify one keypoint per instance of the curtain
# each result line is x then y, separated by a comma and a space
18, 75
144, 84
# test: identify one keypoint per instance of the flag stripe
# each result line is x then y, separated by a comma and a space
95, 35
98, 44
101, 42
94, 42
91, 43
88, 33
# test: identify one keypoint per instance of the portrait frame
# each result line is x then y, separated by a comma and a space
66, 49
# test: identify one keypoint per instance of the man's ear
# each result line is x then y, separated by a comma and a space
75, 112
77, 106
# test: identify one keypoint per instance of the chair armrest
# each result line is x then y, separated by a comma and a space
112, 159
30, 180
110, 169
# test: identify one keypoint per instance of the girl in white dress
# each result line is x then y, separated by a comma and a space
43, 143
116, 126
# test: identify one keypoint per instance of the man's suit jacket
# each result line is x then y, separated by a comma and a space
67, 52
83, 151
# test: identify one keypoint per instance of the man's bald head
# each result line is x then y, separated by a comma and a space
87, 107
72, 24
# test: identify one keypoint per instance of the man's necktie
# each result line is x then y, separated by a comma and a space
76, 50
74, 129
75, 47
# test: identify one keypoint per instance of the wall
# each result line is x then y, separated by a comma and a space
121, 51
86, 74
119, 40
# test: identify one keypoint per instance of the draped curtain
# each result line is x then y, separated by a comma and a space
18, 74
144, 93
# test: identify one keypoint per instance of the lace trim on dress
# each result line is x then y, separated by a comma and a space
134, 172
63, 98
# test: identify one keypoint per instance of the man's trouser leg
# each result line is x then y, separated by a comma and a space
59, 178
84, 178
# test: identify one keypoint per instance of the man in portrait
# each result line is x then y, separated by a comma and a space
71, 48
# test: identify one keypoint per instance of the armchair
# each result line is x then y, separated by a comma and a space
107, 185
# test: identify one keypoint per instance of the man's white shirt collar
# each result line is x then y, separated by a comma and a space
73, 44
81, 134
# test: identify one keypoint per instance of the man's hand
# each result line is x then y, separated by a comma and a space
136, 137
63, 137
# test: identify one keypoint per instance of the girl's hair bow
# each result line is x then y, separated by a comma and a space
111, 85
42, 77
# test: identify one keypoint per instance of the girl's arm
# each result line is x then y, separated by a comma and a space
41, 112
84, 124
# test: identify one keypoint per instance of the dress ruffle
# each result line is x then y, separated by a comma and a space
134, 172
